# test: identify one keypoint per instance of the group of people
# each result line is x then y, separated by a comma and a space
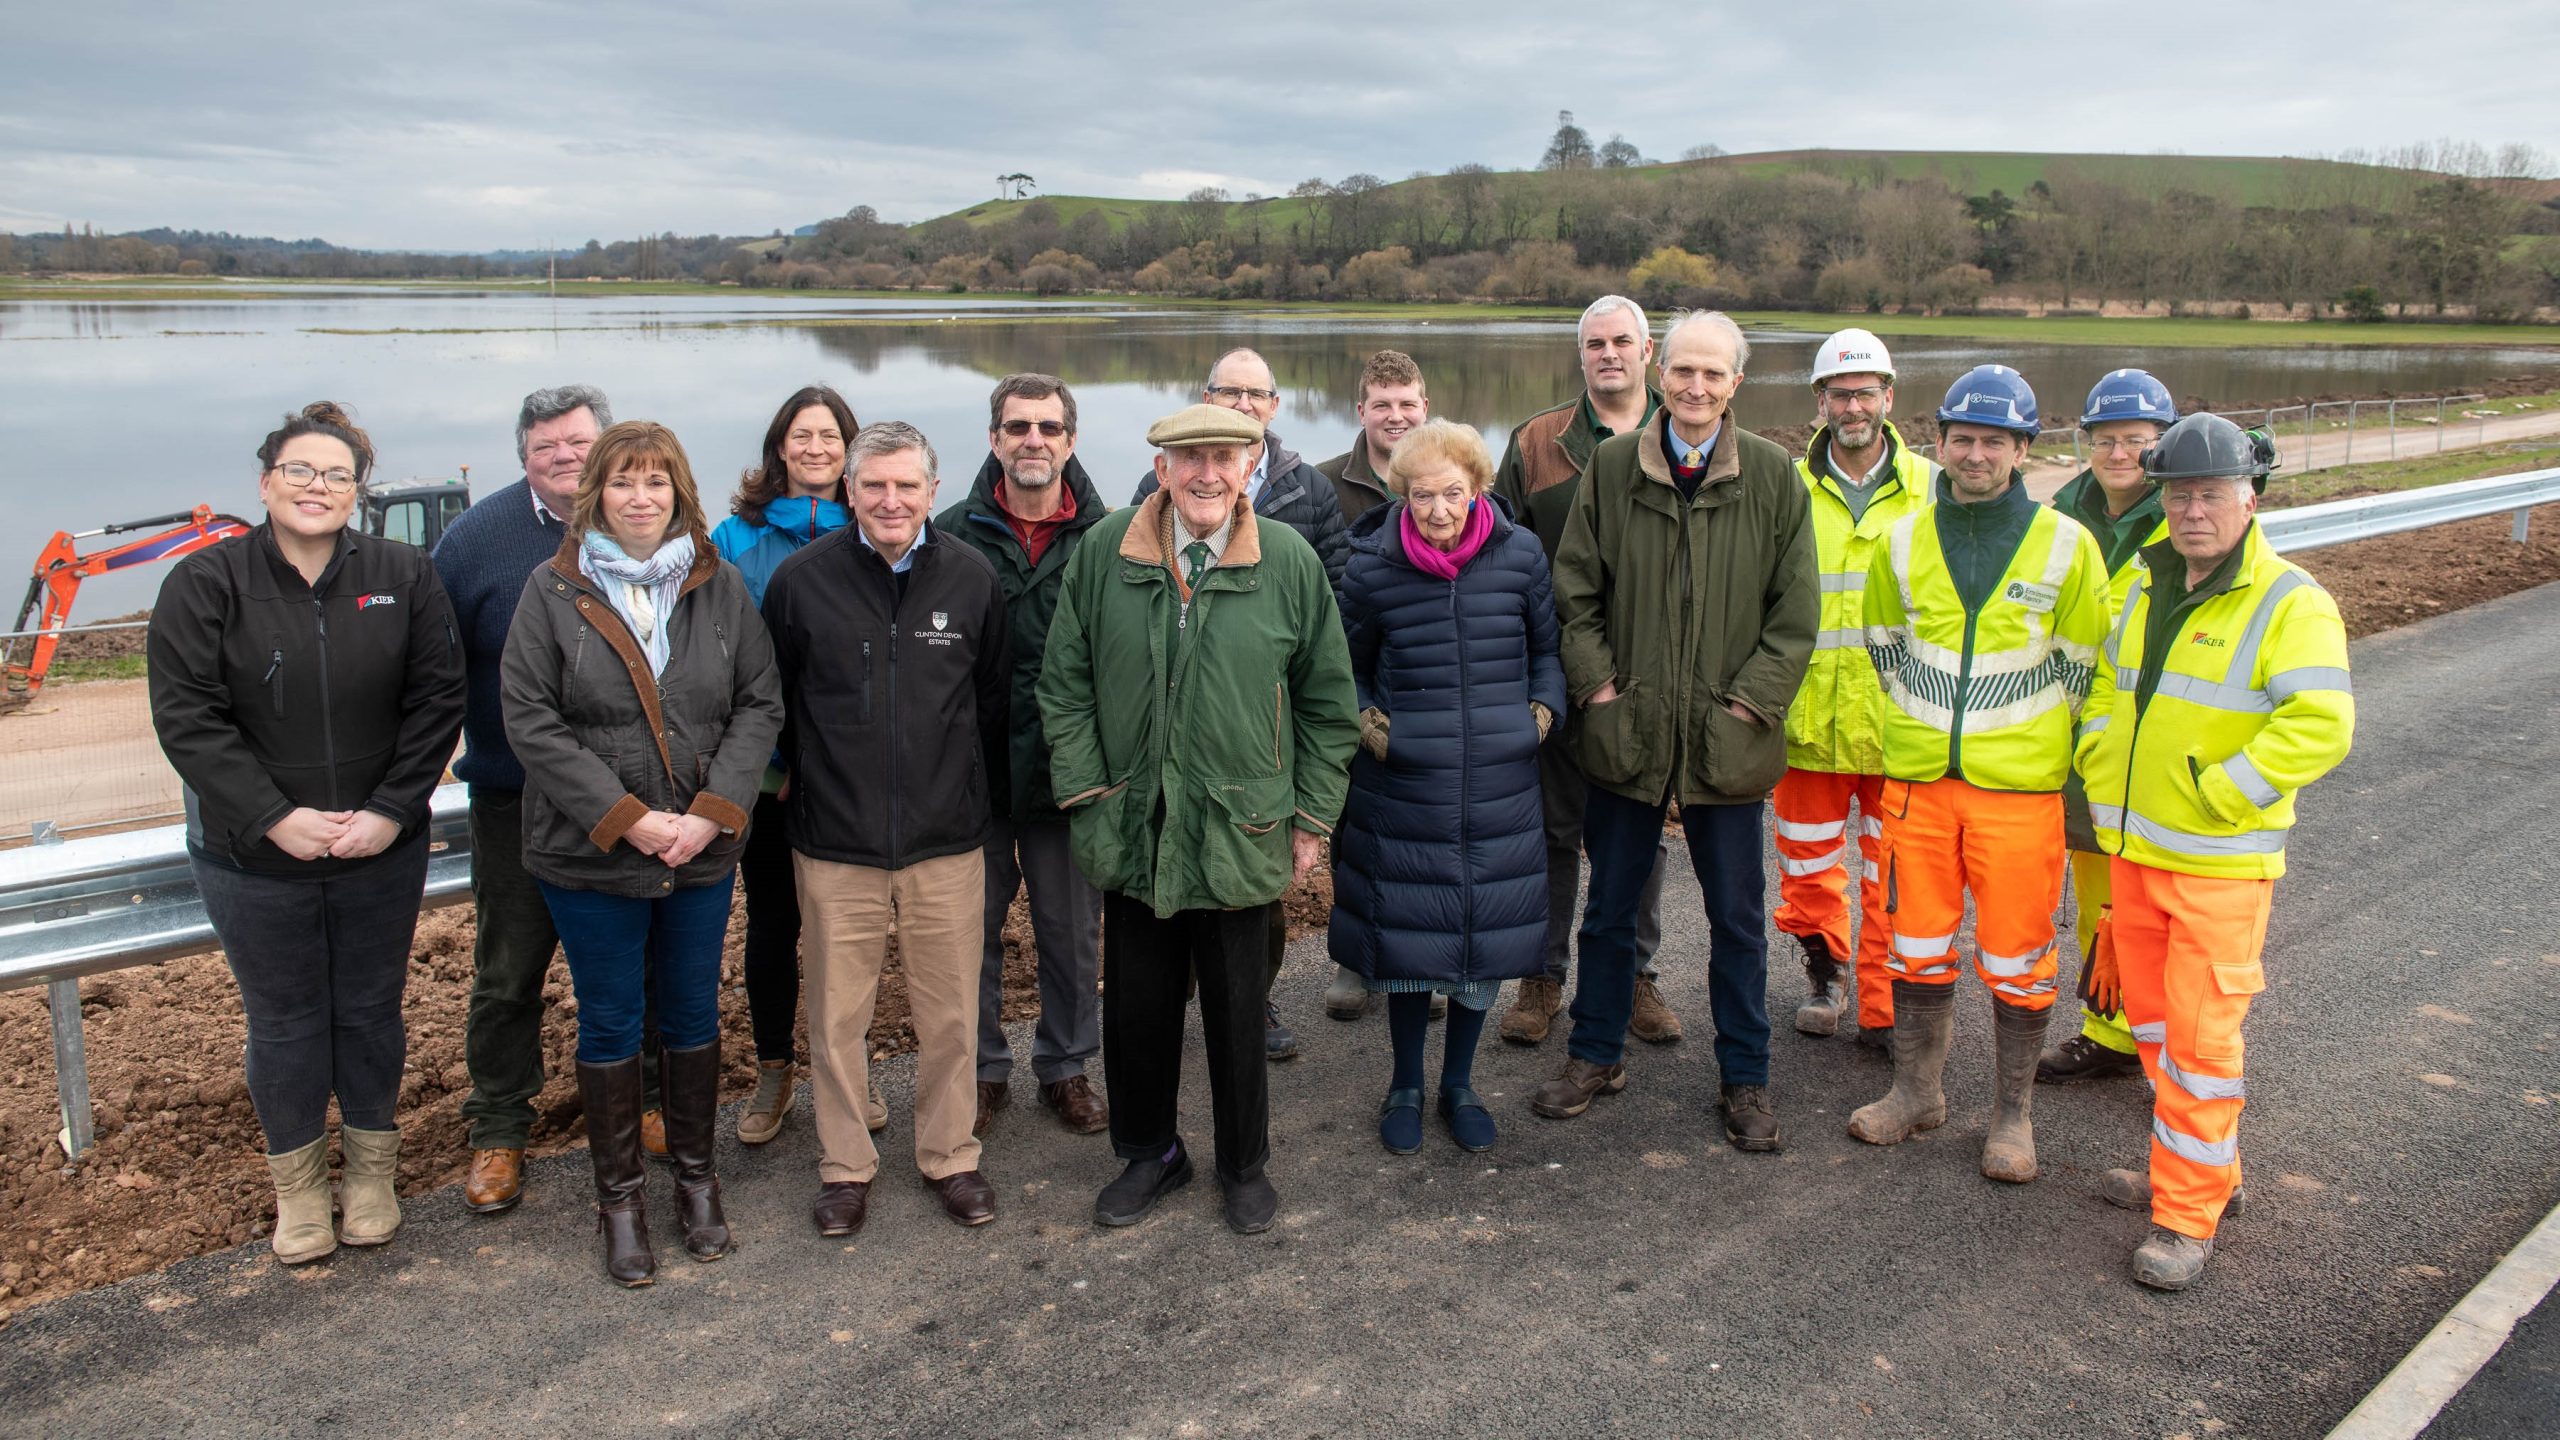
1464, 676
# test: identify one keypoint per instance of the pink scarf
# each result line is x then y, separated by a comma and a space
1430, 559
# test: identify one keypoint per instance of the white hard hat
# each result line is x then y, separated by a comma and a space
1852, 352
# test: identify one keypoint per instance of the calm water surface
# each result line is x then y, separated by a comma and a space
113, 411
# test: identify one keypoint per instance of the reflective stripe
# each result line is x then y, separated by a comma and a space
2213, 695
2256, 842
1871, 827
1839, 639
1875, 873
2251, 783
2189, 1147
2124, 618
2203, 1087
1814, 866
2094, 724
1798, 830
2012, 966
2155, 1033
2244, 655
1844, 582
1894, 964
2024, 992
1921, 947
2285, 684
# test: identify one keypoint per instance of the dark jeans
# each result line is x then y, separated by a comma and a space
513, 940
1150, 962
773, 932
626, 950
1066, 920
322, 965
1724, 848
1561, 791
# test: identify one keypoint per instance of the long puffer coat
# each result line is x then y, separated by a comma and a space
1440, 862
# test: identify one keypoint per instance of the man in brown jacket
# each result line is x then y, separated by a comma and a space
1540, 473
1688, 596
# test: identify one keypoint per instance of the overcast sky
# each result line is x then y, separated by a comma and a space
463, 125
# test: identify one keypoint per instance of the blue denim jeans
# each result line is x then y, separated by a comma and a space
613, 943
1623, 837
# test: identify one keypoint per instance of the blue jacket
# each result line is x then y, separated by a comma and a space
1440, 862
758, 550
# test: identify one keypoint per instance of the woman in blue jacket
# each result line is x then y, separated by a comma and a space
795, 495
1440, 861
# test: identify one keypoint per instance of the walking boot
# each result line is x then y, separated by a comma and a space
2009, 1151
691, 1079
1533, 1011
1821, 1014
1279, 1042
2081, 1058
1571, 1092
302, 1233
2131, 1190
1653, 1023
368, 1205
1924, 1021
653, 1132
2169, 1260
775, 1091
1347, 998
611, 1095
1750, 1122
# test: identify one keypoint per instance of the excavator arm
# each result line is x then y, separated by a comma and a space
60, 568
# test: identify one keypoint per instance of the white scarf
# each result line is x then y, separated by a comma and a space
643, 592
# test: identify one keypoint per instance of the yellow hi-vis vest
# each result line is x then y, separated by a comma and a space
2252, 702
1834, 724
1989, 696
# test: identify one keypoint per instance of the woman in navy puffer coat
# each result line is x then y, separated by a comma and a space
1440, 864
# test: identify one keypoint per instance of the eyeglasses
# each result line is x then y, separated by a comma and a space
2119, 445
1230, 394
1863, 395
301, 476
1049, 429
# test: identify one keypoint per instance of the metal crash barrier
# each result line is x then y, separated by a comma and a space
2335, 522
83, 907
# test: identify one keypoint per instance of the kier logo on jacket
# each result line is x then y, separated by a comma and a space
367, 602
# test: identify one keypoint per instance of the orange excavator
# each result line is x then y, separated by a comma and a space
61, 567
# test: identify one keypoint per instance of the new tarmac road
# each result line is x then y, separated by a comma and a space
1623, 1274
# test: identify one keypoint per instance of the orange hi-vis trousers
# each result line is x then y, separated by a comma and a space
1812, 809
2187, 951
1945, 837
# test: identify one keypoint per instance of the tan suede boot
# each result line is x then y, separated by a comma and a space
368, 1202
302, 1203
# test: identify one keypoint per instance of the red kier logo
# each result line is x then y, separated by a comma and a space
367, 602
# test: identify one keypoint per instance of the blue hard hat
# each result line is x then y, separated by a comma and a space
2129, 395
1992, 395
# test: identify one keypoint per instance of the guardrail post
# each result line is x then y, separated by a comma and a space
71, 1068
2524, 521
2439, 424
2349, 458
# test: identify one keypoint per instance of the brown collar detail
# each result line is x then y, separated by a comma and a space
1146, 540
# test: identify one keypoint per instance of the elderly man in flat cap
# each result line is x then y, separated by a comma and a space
1198, 699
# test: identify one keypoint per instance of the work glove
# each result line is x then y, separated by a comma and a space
1373, 732
1546, 718
2101, 986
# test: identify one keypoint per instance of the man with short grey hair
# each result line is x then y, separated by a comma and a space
483, 561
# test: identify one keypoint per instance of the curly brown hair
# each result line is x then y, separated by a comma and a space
770, 480
320, 417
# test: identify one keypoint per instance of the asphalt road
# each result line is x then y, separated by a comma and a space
1624, 1273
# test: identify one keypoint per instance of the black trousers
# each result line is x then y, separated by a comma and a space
772, 958
1147, 966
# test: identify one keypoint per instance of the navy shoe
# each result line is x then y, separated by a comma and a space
1400, 1123
1252, 1205
1470, 1124
1277, 1042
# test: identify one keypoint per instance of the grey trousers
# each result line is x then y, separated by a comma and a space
1562, 793
1066, 926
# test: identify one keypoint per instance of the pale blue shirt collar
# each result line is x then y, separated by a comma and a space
1261, 472
1679, 447
906, 562
541, 511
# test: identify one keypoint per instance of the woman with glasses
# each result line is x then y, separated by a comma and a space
794, 495
641, 695
307, 687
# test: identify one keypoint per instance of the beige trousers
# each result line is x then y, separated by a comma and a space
846, 911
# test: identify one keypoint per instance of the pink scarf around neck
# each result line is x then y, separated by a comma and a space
1430, 559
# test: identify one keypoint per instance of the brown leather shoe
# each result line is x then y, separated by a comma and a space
841, 1206
1653, 1023
1076, 1106
966, 1197
653, 1133
1570, 1093
992, 1095
1533, 1011
497, 1180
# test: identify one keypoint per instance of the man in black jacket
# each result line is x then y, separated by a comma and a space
1028, 510
891, 643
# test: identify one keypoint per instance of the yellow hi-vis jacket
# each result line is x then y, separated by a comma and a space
1986, 691
1834, 724
2192, 754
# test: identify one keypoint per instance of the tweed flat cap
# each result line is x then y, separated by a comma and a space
1204, 425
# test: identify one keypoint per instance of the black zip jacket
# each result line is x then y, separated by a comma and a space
269, 693
895, 697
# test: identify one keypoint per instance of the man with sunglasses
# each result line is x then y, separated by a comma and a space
1026, 513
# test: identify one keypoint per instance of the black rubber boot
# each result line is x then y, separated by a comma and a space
1821, 1014
611, 1094
692, 1082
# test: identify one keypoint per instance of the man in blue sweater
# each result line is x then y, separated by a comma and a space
483, 561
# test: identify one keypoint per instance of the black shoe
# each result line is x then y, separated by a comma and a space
1277, 1042
1251, 1204
2081, 1058
1127, 1200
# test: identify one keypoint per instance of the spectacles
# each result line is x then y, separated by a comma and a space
1050, 429
1863, 395
301, 476
1230, 394
2119, 445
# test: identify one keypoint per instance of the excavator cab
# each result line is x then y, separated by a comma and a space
415, 511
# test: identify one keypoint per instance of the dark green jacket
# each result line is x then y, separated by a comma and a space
2119, 537
1030, 598
1357, 485
1185, 751
1542, 467
1686, 605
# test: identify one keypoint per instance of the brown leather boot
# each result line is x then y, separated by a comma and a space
1533, 1011
496, 1181
1571, 1093
1653, 1023
691, 1079
1076, 1106
611, 1094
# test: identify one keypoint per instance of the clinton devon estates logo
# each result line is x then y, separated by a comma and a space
941, 633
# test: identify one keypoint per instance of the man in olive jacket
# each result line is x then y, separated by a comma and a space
1201, 718
1687, 591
